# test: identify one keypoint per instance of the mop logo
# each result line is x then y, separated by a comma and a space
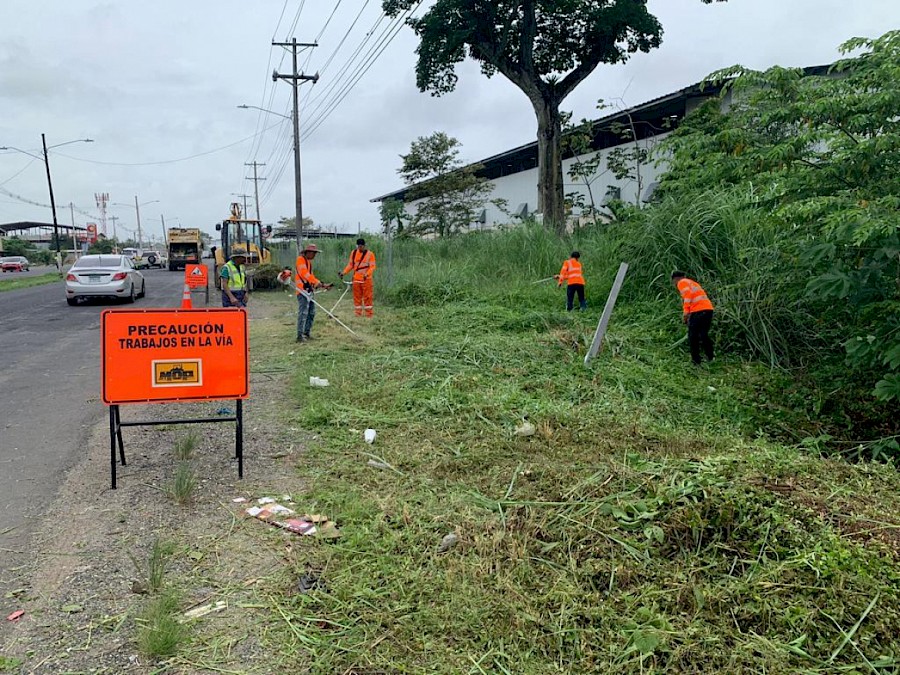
177, 373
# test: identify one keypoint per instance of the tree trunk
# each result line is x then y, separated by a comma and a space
550, 176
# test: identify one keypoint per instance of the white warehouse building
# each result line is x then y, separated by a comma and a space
514, 173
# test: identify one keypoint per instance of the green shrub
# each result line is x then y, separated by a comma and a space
266, 276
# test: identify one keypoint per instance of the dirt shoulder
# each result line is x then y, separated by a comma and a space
83, 596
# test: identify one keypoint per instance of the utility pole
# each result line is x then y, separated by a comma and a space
256, 180
53, 201
162, 220
137, 209
295, 78
115, 236
74, 241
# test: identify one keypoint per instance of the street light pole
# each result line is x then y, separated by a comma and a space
52, 204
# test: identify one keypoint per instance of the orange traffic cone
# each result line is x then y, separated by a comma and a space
186, 298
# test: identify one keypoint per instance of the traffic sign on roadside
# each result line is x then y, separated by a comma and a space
171, 355
196, 276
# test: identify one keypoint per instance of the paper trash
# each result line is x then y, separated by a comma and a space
318, 382
369, 435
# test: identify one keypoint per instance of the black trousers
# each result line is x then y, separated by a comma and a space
571, 290
698, 334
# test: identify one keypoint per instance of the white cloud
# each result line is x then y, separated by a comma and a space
158, 81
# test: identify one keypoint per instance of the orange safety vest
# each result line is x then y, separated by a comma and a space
362, 265
694, 297
571, 273
305, 277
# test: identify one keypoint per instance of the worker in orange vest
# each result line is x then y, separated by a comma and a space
572, 276
362, 263
698, 315
306, 283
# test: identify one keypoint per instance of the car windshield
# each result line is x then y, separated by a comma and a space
99, 261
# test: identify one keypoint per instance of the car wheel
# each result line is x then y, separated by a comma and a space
151, 261
143, 289
72, 301
131, 296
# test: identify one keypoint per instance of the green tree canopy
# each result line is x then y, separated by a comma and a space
546, 48
818, 157
449, 194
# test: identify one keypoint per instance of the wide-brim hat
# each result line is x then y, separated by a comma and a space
311, 248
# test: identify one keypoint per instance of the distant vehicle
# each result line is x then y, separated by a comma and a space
156, 259
137, 257
249, 236
185, 246
16, 263
104, 276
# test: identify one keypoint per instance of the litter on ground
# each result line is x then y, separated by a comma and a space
369, 436
527, 429
15, 616
307, 525
448, 542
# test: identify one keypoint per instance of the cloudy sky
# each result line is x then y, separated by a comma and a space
157, 85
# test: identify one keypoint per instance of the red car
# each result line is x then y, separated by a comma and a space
15, 263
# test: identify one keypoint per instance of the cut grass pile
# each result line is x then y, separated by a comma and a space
642, 528
27, 282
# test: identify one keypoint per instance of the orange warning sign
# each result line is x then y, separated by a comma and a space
196, 276
168, 355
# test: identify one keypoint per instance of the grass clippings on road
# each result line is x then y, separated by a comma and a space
27, 282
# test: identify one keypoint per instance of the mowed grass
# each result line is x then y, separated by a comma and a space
646, 526
27, 282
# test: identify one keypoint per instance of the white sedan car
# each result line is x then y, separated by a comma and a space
104, 276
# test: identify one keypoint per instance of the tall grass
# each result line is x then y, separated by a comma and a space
722, 238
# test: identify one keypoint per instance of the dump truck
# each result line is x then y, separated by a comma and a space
185, 246
244, 235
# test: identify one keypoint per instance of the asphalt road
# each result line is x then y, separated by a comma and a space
50, 384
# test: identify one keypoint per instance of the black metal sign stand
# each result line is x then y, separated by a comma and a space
115, 435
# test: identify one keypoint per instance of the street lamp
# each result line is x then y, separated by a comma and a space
137, 210
270, 112
295, 118
45, 158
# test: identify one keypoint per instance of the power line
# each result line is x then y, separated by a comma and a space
19, 172
168, 161
373, 54
278, 25
284, 157
336, 80
25, 200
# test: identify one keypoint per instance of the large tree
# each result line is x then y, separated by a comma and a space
544, 47
448, 194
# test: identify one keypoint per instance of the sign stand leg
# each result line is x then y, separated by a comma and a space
119, 435
112, 446
239, 438
115, 439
